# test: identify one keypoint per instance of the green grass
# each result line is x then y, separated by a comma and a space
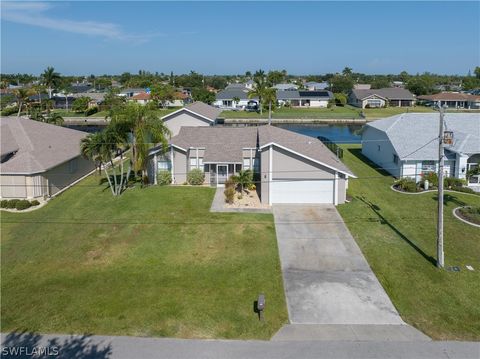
348, 112
397, 234
373, 113
152, 262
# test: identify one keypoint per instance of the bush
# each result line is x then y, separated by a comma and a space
4, 203
229, 194
34, 202
407, 185
231, 182
251, 187
465, 190
22, 204
91, 111
451, 182
196, 177
164, 178
12, 203
431, 177
7, 111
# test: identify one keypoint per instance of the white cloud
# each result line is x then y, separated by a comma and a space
36, 14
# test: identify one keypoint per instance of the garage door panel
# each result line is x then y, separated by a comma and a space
288, 191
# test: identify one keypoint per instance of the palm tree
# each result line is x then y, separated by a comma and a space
55, 119
244, 179
145, 128
258, 89
39, 90
22, 96
235, 101
270, 97
50, 79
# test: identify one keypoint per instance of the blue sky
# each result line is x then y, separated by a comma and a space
233, 37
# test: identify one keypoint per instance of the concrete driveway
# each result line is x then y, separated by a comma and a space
327, 279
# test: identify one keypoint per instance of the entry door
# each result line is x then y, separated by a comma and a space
222, 174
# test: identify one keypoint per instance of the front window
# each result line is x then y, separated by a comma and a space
374, 103
164, 165
246, 163
428, 166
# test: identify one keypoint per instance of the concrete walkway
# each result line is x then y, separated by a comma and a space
330, 289
103, 347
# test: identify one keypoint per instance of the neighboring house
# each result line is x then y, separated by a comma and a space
406, 145
315, 86
250, 84
452, 100
130, 92
400, 84
391, 96
302, 98
225, 98
289, 167
362, 87
141, 98
38, 159
195, 114
96, 98
81, 87
286, 87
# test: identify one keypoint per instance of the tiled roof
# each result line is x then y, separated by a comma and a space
450, 96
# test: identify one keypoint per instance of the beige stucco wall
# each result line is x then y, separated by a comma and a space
183, 118
342, 193
60, 177
179, 166
13, 186
264, 175
287, 165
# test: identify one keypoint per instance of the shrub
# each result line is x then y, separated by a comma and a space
4, 203
465, 190
229, 194
34, 202
23, 204
7, 111
12, 203
251, 187
196, 177
164, 178
407, 185
231, 182
91, 111
451, 182
431, 177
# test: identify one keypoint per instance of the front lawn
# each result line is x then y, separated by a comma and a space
153, 262
397, 234
346, 112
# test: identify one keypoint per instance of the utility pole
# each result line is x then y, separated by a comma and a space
441, 160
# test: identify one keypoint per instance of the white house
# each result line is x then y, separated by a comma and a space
406, 145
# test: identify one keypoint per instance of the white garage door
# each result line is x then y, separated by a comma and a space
320, 191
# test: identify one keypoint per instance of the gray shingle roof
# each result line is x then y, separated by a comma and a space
301, 144
390, 93
408, 132
229, 94
225, 144
204, 110
41, 146
222, 144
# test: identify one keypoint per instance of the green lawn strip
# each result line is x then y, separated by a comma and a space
397, 234
151, 262
348, 112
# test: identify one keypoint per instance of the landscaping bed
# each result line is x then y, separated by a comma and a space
397, 235
150, 262
469, 214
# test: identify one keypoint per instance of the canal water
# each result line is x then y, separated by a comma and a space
338, 133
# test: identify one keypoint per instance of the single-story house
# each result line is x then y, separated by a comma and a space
96, 98
38, 159
288, 167
196, 114
392, 96
302, 98
225, 98
315, 86
141, 98
452, 100
285, 87
406, 145
130, 92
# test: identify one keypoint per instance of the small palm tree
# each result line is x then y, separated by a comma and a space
259, 87
50, 79
244, 179
23, 97
235, 100
55, 119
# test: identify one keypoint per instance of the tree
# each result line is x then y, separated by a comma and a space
144, 127
201, 94
477, 72
341, 83
248, 74
270, 98
23, 97
54, 118
235, 100
81, 104
259, 87
404, 76
162, 94
51, 79
380, 82
347, 71
39, 90
275, 77
340, 99
421, 85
